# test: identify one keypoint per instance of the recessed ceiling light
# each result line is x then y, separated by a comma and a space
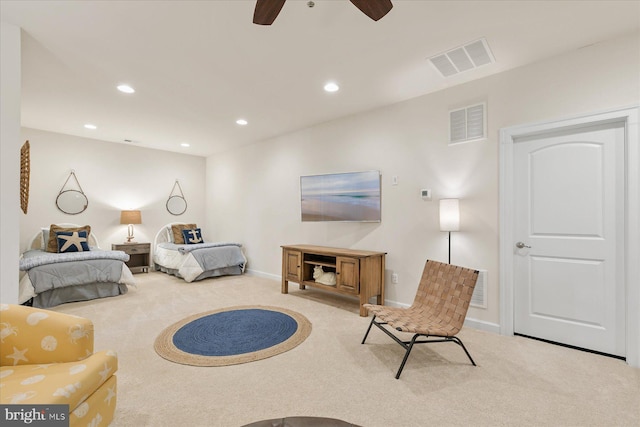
242, 122
90, 126
331, 87
126, 89
184, 144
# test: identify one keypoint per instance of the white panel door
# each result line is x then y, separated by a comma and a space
568, 248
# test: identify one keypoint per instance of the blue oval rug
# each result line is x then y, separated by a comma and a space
232, 335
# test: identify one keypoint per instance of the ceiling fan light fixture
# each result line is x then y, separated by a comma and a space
266, 11
374, 9
331, 87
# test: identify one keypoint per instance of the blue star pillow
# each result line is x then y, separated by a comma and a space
72, 241
192, 236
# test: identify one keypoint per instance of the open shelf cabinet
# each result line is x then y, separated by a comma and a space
358, 273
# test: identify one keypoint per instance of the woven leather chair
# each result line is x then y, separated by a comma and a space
438, 310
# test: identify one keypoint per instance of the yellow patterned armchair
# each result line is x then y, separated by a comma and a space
47, 357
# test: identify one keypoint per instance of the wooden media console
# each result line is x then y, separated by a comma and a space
358, 273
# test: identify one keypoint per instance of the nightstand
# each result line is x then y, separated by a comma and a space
138, 255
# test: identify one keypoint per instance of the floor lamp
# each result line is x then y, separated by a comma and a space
449, 218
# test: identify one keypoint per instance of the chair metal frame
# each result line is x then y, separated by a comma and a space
423, 296
408, 345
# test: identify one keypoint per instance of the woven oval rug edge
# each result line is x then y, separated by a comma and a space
165, 348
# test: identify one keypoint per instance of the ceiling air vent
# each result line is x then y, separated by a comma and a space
467, 124
471, 55
479, 296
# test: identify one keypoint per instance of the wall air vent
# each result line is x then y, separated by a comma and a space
479, 297
468, 124
471, 55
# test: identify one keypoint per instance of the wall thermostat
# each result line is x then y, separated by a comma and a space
426, 194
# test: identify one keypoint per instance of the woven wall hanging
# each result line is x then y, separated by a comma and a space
25, 171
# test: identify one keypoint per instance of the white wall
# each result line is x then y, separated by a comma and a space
10, 143
114, 177
253, 192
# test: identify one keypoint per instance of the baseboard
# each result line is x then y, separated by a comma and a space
468, 322
262, 274
482, 325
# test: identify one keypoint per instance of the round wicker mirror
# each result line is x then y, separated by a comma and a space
72, 202
176, 205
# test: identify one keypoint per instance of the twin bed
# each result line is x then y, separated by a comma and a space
52, 278
195, 260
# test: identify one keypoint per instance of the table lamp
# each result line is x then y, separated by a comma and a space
130, 218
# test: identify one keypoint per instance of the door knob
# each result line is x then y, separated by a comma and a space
521, 245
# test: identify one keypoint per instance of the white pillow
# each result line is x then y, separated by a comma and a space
44, 238
169, 234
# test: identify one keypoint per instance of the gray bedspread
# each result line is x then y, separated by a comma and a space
57, 278
201, 260
184, 249
60, 275
219, 257
35, 258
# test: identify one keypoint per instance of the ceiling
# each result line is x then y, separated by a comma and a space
197, 66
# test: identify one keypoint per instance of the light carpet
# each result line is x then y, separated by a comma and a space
518, 381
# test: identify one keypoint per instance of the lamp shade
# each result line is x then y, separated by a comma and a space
449, 215
130, 217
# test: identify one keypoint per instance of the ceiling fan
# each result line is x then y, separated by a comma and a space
267, 11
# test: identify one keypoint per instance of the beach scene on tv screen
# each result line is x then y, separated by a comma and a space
341, 197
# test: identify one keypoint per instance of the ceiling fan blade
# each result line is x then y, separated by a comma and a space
374, 9
267, 11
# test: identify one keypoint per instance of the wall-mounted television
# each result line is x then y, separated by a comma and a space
352, 196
